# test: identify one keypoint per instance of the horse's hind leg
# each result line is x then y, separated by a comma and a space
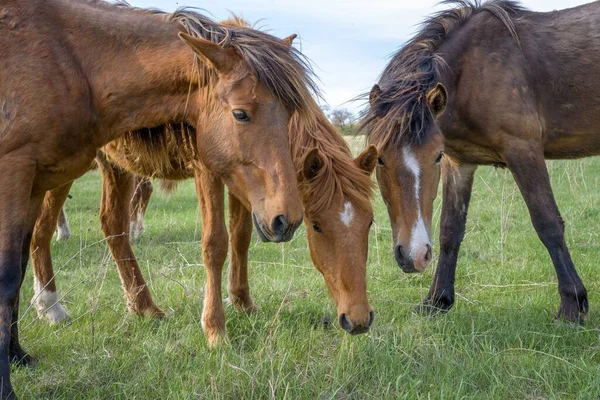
528, 167
117, 190
63, 232
211, 198
17, 217
139, 204
240, 230
45, 299
457, 186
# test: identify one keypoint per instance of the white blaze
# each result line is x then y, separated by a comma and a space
418, 236
348, 214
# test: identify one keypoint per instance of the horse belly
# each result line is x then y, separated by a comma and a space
573, 146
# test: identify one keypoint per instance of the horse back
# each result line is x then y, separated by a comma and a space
540, 86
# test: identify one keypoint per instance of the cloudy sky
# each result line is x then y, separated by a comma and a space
349, 41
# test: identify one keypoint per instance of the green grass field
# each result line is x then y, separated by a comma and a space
499, 341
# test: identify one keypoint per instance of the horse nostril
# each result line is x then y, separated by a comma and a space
399, 255
280, 225
345, 323
428, 254
371, 317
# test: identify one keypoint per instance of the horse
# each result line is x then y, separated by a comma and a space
335, 191
77, 74
484, 84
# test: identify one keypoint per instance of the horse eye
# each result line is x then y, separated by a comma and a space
316, 227
439, 157
380, 161
240, 115
371, 223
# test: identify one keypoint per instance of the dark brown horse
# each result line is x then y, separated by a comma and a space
485, 84
75, 75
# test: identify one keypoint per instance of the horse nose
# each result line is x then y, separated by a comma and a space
357, 329
428, 254
279, 225
345, 323
403, 259
371, 318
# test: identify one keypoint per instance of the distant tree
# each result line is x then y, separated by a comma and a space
340, 117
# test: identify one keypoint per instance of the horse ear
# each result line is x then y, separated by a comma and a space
437, 98
374, 94
312, 164
223, 60
290, 39
367, 160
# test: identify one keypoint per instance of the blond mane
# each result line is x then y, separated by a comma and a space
339, 174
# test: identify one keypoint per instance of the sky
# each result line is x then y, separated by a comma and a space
348, 41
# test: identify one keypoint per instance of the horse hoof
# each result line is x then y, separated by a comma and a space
48, 308
153, 312
241, 305
22, 359
216, 339
435, 305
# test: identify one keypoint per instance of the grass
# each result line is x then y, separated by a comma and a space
499, 341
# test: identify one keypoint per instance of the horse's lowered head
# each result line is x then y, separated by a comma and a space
410, 149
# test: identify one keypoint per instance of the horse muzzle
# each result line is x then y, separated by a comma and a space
279, 230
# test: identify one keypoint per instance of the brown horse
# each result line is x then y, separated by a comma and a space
75, 75
335, 190
486, 84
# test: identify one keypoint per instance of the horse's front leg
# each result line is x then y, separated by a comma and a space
117, 190
18, 211
45, 298
240, 230
527, 164
457, 187
211, 198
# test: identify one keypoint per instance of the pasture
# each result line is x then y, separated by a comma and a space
500, 340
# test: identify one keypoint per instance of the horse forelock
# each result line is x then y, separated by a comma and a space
339, 174
414, 70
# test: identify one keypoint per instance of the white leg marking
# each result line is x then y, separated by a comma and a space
62, 231
47, 304
136, 227
348, 214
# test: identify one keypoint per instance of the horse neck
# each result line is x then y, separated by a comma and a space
138, 70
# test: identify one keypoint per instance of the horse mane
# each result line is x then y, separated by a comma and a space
339, 173
286, 73
163, 152
414, 70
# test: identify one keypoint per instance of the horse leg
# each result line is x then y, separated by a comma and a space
139, 204
457, 187
15, 231
528, 167
211, 198
62, 229
45, 299
17, 354
240, 230
117, 190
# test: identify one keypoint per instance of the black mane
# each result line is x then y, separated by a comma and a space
402, 107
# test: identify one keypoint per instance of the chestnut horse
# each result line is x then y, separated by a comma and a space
77, 74
485, 84
335, 191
